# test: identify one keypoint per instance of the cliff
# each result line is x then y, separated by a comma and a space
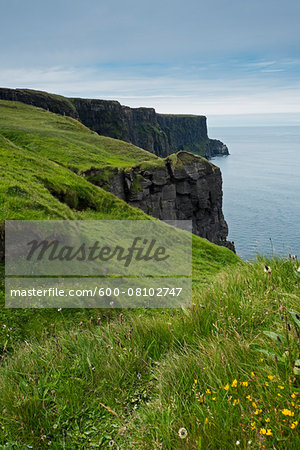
181, 187
160, 134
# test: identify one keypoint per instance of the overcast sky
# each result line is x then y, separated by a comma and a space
235, 61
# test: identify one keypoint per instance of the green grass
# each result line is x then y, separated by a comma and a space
64, 140
83, 378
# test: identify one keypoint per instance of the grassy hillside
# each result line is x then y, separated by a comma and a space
132, 379
64, 140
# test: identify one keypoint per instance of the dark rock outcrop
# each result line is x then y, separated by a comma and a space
181, 187
161, 134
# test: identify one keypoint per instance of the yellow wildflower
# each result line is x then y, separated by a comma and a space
263, 431
266, 383
236, 402
261, 360
293, 425
279, 395
208, 391
245, 383
257, 411
249, 398
293, 395
253, 426
195, 381
287, 412
269, 432
280, 387
206, 420
252, 374
267, 420
293, 404
214, 398
270, 377
234, 383
254, 405
226, 387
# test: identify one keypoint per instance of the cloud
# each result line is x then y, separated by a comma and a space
72, 32
201, 57
168, 91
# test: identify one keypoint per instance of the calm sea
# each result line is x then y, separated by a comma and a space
261, 185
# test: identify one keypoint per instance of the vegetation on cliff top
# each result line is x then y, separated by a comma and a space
201, 378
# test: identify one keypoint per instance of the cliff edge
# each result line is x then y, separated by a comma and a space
182, 186
161, 134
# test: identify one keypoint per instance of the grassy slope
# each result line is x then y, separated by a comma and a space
64, 140
59, 368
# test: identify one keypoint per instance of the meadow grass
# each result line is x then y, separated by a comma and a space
85, 378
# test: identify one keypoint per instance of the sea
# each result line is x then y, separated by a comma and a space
261, 189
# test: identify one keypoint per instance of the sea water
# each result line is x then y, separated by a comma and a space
261, 188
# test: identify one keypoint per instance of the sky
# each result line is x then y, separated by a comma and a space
235, 61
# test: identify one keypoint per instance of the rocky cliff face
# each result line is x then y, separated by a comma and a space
182, 187
161, 134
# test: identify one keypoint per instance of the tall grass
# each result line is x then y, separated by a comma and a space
133, 379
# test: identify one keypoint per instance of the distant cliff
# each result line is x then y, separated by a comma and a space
181, 187
161, 134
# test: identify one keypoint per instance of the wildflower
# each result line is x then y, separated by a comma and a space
55, 426
195, 381
279, 395
287, 412
270, 377
234, 383
208, 391
236, 402
237, 443
252, 374
293, 425
258, 411
280, 387
249, 442
263, 431
206, 420
254, 405
261, 360
214, 398
59, 309
253, 426
226, 387
182, 433
245, 383
267, 269
266, 384
267, 420
249, 398
269, 432
293, 395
